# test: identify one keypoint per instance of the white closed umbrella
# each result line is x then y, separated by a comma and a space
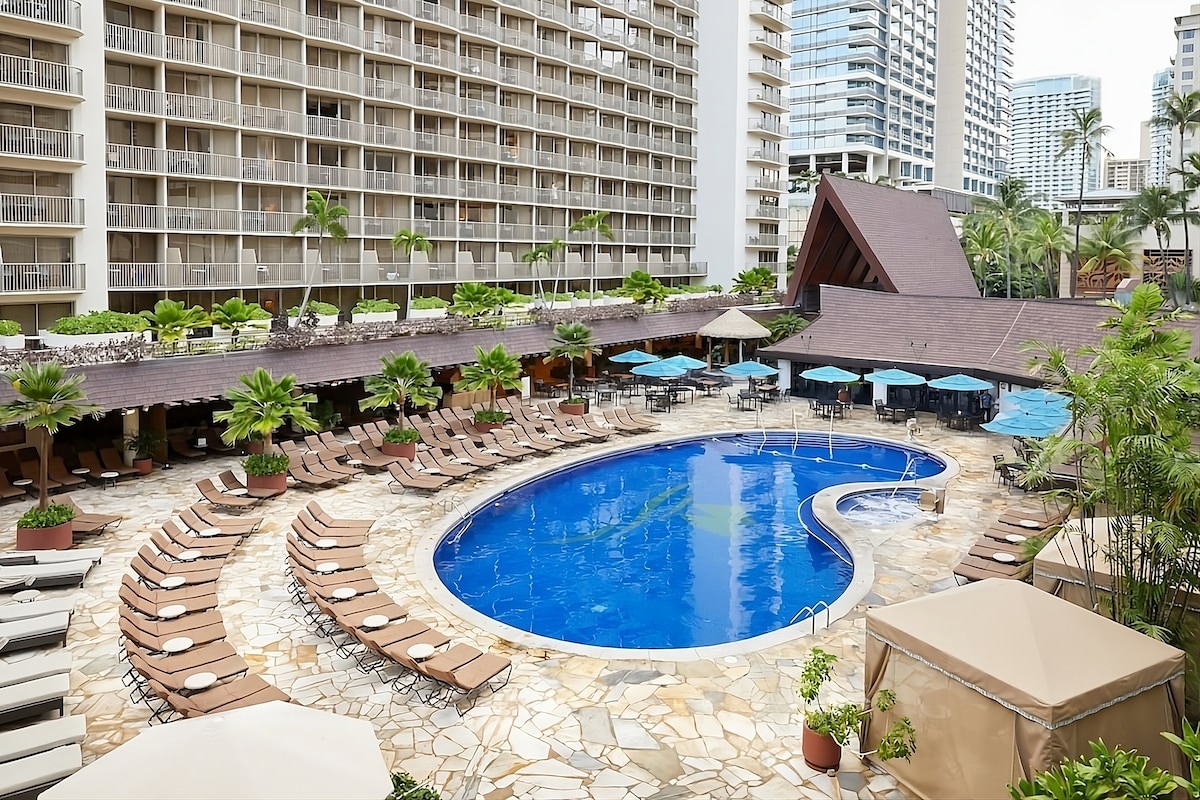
271, 751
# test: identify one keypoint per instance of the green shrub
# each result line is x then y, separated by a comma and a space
405, 787
374, 306
586, 295
494, 417
427, 303
261, 464
317, 307
99, 322
144, 443
401, 436
520, 300
55, 514
259, 313
9, 328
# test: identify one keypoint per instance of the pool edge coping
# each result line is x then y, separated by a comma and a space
859, 545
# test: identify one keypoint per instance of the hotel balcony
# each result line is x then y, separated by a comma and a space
41, 17
766, 240
771, 41
38, 211
43, 278
765, 212
37, 144
36, 78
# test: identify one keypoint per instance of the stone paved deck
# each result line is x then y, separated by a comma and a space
566, 726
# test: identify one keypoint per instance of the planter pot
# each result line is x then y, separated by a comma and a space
144, 466
618, 301
820, 751
400, 450
844, 396
14, 342
74, 340
323, 321
255, 328
272, 483
56, 538
426, 313
576, 409
485, 427
374, 316
254, 447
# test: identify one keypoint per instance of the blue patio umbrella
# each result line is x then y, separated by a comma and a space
658, 369
828, 375
750, 369
1053, 413
960, 383
1016, 423
1030, 398
685, 362
894, 377
633, 357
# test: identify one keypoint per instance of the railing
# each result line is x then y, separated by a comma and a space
765, 184
23, 140
27, 209
767, 94
63, 277
55, 12
766, 239
767, 66
766, 212
34, 73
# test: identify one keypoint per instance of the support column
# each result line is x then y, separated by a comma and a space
785, 377
129, 428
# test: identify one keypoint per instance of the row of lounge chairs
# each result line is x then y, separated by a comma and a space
60, 476
35, 756
172, 635
1002, 552
330, 580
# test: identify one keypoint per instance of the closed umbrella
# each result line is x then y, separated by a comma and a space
894, 377
271, 750
685, 362
829, 375
633, 357
960, 383
1015, 423
750, 369
658, 369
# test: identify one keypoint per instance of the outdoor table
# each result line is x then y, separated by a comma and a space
901, 413
708, 386
679, 390
769, 391
749, 401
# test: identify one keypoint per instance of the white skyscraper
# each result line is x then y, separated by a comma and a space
907, 91
1157, 139
1041, 112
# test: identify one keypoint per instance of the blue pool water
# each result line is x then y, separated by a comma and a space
696, 543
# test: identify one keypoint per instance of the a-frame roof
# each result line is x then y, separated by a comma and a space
875, 237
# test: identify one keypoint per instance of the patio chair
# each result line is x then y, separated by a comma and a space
7, 490
199, 517
152, 574
231, 482
113, 462
44, 576
148, 601
240, 693
23, 634
39, 738
185, 538
973, 568
155, 642
203, 545
321, 515
314, 560
30, 471
487, 671
467, 454
434, 461
84, 523
494, 447
404, 478
182, 447
1045, 518
59, 473
327, 538
11, 612
170, 566
33, 698
223, 499
332, 443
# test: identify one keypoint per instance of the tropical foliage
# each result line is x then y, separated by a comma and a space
492, 371
263, 404
9, 327
404, 379
1181, 112
99, 322
643, 288
235, 314
372, 305
571, 340
318, 307
1110, 245
46, 399
171, 321
321, 217
474, 300
593, 223
1085, 134
784, 326
1012, 247
755, 280
408, 241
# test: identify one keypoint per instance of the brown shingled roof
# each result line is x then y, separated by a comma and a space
865, 235
978, 335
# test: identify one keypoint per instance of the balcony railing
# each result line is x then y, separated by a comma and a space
766, 239
766, 212
46, 76
23, 140
31, 209
38, 278
53, 12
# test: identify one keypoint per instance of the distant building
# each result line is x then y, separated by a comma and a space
1157, 138
1129, 174
1041, 112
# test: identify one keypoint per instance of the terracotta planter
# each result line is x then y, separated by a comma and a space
144, 466
485, 427
56, 538
254, 446
820, 751
402, 450
844, 396
270, 483
576, 409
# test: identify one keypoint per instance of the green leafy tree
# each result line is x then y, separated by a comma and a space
535, 258
473, 300
1044, 240
405, 379
755, 280
643, 288
320, 218
409, 240
1155, 207
983, 244
595, 224
171, 320
1110, 244
1012, 210
1181, 111
785, 326
261, 405
1086, 131
47, 399
492, 371
1108, 775
571, 340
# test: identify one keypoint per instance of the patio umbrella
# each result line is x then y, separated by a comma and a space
1030, 398
633, 357
750, 369
828, 375
1053, 413
960, 383
685, 362
734, 324
1015, 423
272, 750
658, 369
894, 377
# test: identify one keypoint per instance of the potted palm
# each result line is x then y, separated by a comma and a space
827, 729
235, 315
10, 335
266, 472
572, 340
144, 444
373, 310
493, 370
171, 321
259, 407
46, 399
405, 379
643, 288
474, 300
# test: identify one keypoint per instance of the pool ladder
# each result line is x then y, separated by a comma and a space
454, 503
812, 612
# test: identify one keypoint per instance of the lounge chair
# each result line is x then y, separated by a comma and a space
45, 576
148, 600
179, 551
88, 524
152, 573
616, 423
468, 454
90, 461
248, 691
364, 437
332, 443
175, 680
38, 738
212, 437
404, 478
494, 447
183, 448
193, 658
149, 640
356, 453
316, 464
973, 568
230, 481
29, 471
59, 473
113, 462
313, 560
1044, 518
23, 634
54, 662
433, 461
170, 566
535, 444
11, 612
7, 490
319, 538
33, 698
210, 545
14, 558
322, 516
207, 518
30, 776
217, 498
487, 671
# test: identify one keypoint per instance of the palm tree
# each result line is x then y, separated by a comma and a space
1044, 240
405, 379
235, 314
171, 320
1109, 245
1181, 112
47, 399
1155, 207
571, 340
493, 369
593, 222
983, 245
473, 300
320, 218
263, 405
785, 326
409, 240
553, 248
1012, 210
538, 255
1085, 133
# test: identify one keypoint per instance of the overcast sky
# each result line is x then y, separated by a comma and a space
1122, 42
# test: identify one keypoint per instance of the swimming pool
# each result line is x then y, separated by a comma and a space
694, 543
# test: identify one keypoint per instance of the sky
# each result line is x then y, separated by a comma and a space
1121, 42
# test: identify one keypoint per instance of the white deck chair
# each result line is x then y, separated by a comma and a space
25, 775
18, 557
56, 662
41, 576
11, 612
39, 631
33, 698
43, 736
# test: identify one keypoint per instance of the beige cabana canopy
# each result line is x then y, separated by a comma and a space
733, 324
1002, 680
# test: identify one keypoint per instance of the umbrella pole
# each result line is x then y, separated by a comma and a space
740, 359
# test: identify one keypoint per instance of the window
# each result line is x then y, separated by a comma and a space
1187, 75
1189, 34
1189, 48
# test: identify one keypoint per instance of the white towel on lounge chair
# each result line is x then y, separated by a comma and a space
42, 769
39, 690
43, 736
11, 612
30, 669
28, 628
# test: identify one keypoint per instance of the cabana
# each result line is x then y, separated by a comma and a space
1001, 681
733, 324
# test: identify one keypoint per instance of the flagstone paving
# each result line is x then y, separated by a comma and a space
566, 726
